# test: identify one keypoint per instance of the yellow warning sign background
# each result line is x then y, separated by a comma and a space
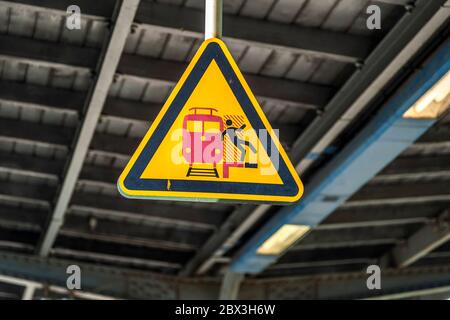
215, 96
203, 146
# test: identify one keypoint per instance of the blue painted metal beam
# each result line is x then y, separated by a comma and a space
380, 142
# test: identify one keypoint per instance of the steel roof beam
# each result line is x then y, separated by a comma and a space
325, 254
326, 236
258, 33
396, 2
53, 54
46, 97
202, 218
102, 250
307, 95
11, 291
428, 199
401, 190
115, 260
407, 165
48, 53
73, 101
115, 231
116, 281
47, 134
175, 215
420, 243
276, 36
368, 222
22, 237
332, 263
164, 237
31, 165
124, 283
69, 241
347, 244
35, 290
440, 133
18, 218
401, 197
36, 166
103, 8
140, 216
9, 189
62, 136
409, 35
410, 213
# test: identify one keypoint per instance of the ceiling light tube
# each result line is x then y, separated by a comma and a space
433, 103
286, 236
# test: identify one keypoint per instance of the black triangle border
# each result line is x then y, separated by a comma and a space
133, 181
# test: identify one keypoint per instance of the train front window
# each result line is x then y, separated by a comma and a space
194, 126
212, 126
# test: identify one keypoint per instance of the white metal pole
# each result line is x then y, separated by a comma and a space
213, 19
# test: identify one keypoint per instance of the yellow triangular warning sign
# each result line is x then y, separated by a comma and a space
211, 141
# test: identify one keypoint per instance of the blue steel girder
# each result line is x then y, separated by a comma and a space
385, 136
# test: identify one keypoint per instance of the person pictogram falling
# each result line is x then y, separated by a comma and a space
232, 131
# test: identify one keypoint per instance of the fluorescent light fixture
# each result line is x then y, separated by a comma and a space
282, 239
433, 103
